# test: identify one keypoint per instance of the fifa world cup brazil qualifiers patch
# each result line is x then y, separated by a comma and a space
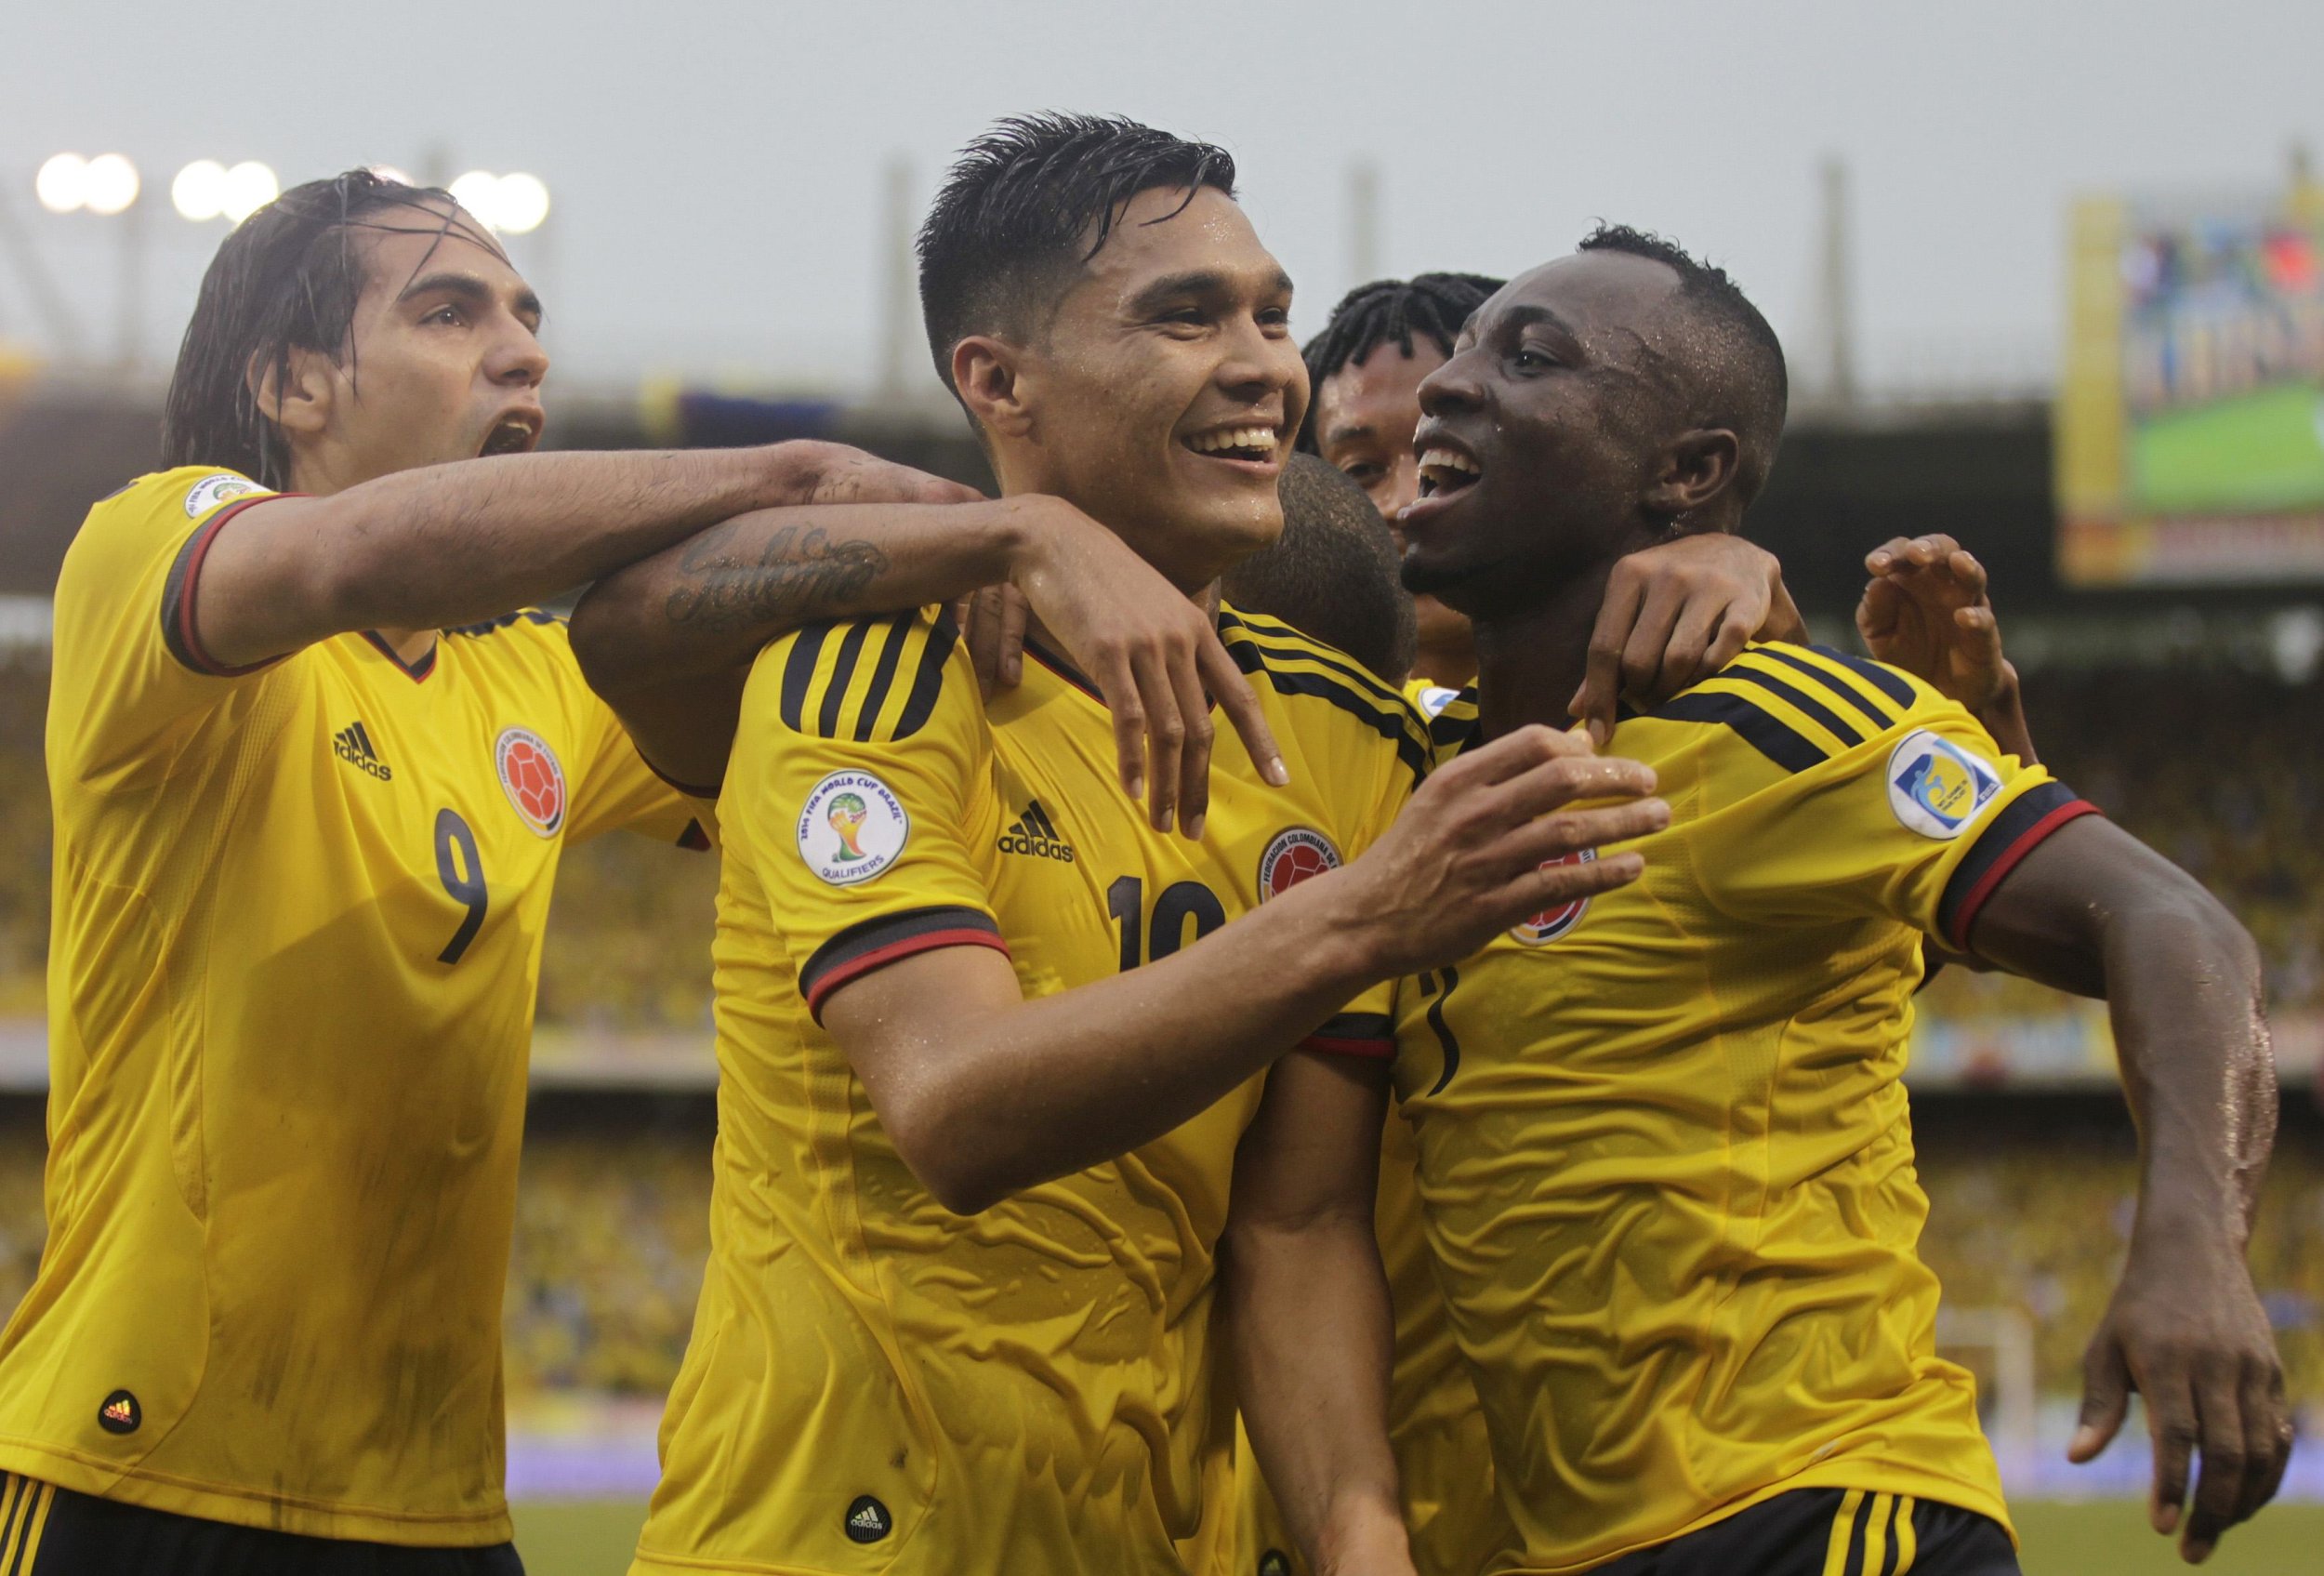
1936, 787
211, 491
852, 827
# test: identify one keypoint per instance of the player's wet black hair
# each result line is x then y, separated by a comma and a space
1427, 306
1332, 574
287, 278
1027, 203
1735, 365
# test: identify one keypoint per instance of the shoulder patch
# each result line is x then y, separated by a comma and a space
852, 827
1936, 787
211, 491
869, 680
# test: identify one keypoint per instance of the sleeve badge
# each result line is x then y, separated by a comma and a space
852, 827
1936, 787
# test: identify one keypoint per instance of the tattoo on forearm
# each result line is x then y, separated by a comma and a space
798, 572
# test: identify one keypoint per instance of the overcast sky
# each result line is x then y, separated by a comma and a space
716, 167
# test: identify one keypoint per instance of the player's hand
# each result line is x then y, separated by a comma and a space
1153, 653
2195, 1343
1675, 613
993, 623
815, 472
1926, 611
1476, 849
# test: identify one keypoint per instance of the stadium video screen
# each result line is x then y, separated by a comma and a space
2191, 415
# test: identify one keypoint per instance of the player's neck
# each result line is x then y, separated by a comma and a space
1531, 661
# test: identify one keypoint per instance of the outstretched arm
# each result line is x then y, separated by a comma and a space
668, 642
458, 543
2093, 910
984, 1093
1309, 1321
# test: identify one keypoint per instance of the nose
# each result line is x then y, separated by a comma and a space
517, 361
1452, 387
1258, 365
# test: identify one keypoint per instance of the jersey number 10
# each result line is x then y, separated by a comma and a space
1165, 932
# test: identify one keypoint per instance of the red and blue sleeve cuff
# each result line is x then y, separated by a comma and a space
889, 938
1368, 1035
2021, 826
178, 632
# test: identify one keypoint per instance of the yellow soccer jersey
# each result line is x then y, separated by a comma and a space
1444, 1461
1665, 1157
875, 1384
298, 926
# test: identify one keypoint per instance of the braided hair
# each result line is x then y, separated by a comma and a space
1432, 305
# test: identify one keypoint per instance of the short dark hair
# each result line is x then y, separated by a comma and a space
1027, 203
1736, 368
287, 278
1332, 574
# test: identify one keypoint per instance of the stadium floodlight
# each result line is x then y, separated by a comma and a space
249, 186
63, 183
524, 202
109, 184
515, 203
199, 192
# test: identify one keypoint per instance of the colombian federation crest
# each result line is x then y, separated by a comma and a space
1292, 856
532, 778
1550, 923
1936, 787
211, 491
852, 827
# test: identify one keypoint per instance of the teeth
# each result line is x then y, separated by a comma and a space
1449, 459
1233, 438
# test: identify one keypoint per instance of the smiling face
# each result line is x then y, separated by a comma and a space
1162, 395
1542, 436
445, 362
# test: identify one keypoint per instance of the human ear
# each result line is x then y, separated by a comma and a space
296, 392
989, 374
1698, 467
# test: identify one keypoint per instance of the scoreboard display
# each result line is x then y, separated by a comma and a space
2190, 421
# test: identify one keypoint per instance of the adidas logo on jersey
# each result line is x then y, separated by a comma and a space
352, 745
867, 1520
1035, 833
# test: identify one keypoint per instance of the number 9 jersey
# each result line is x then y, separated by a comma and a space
876, 1384
296, 935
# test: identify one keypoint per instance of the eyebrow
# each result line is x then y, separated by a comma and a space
1348, 431
469, 288
1195, 281
1518, 317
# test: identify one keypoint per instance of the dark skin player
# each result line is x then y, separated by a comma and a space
1569, 400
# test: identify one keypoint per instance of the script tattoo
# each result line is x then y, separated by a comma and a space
797, 574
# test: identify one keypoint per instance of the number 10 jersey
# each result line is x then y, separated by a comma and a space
874, 1383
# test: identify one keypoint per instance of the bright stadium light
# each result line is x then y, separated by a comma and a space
249, 186
515, 203
199, 192
479, 192
109, 184
524, 202
63, 183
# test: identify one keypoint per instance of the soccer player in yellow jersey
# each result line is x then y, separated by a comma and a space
310, 781
1665, 1160
990, 1044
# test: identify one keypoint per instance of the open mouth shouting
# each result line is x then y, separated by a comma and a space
1448, 469
516, 433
